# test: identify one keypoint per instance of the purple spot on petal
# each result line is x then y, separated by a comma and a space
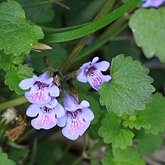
75, 121
41, 85
39, 96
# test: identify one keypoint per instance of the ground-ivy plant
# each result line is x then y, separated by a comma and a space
81, 82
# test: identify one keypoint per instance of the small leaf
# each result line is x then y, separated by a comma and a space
130, 88
135, 122
112, 132
127, 157
148, 27
4, 159
148, 143
14, 76
17, 35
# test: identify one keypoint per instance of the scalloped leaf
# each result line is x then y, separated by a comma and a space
14, 76
112, 132
130, 88
135, 122
8, 61
148, 27
17, 35
152, 118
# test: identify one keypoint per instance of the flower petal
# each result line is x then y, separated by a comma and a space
105, 78
27, 83
52, 103
54, 91
37, 96
152, 3
85, 104
71, 132
32, 110
94, 81
70, 104
61, 122
95, 60
81, 76
103, 65
45, 121
44, 76
59, 110
87, 115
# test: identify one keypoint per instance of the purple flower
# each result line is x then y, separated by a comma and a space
41, 89
92, 72
46, 115
76, 119
152, 3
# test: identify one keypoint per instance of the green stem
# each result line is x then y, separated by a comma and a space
12, 103
57, 30
113, 30
77, 49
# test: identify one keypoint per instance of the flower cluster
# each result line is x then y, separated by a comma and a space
48, 112
152, 3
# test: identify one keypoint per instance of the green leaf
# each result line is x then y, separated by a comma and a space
127, 157
108, 157
148, 143
43, 157
17, 35
130, 88
4, 159
112, 132
152, 118
14, 76
135, 122
8, 61
148, 27
154, 114
92, 27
